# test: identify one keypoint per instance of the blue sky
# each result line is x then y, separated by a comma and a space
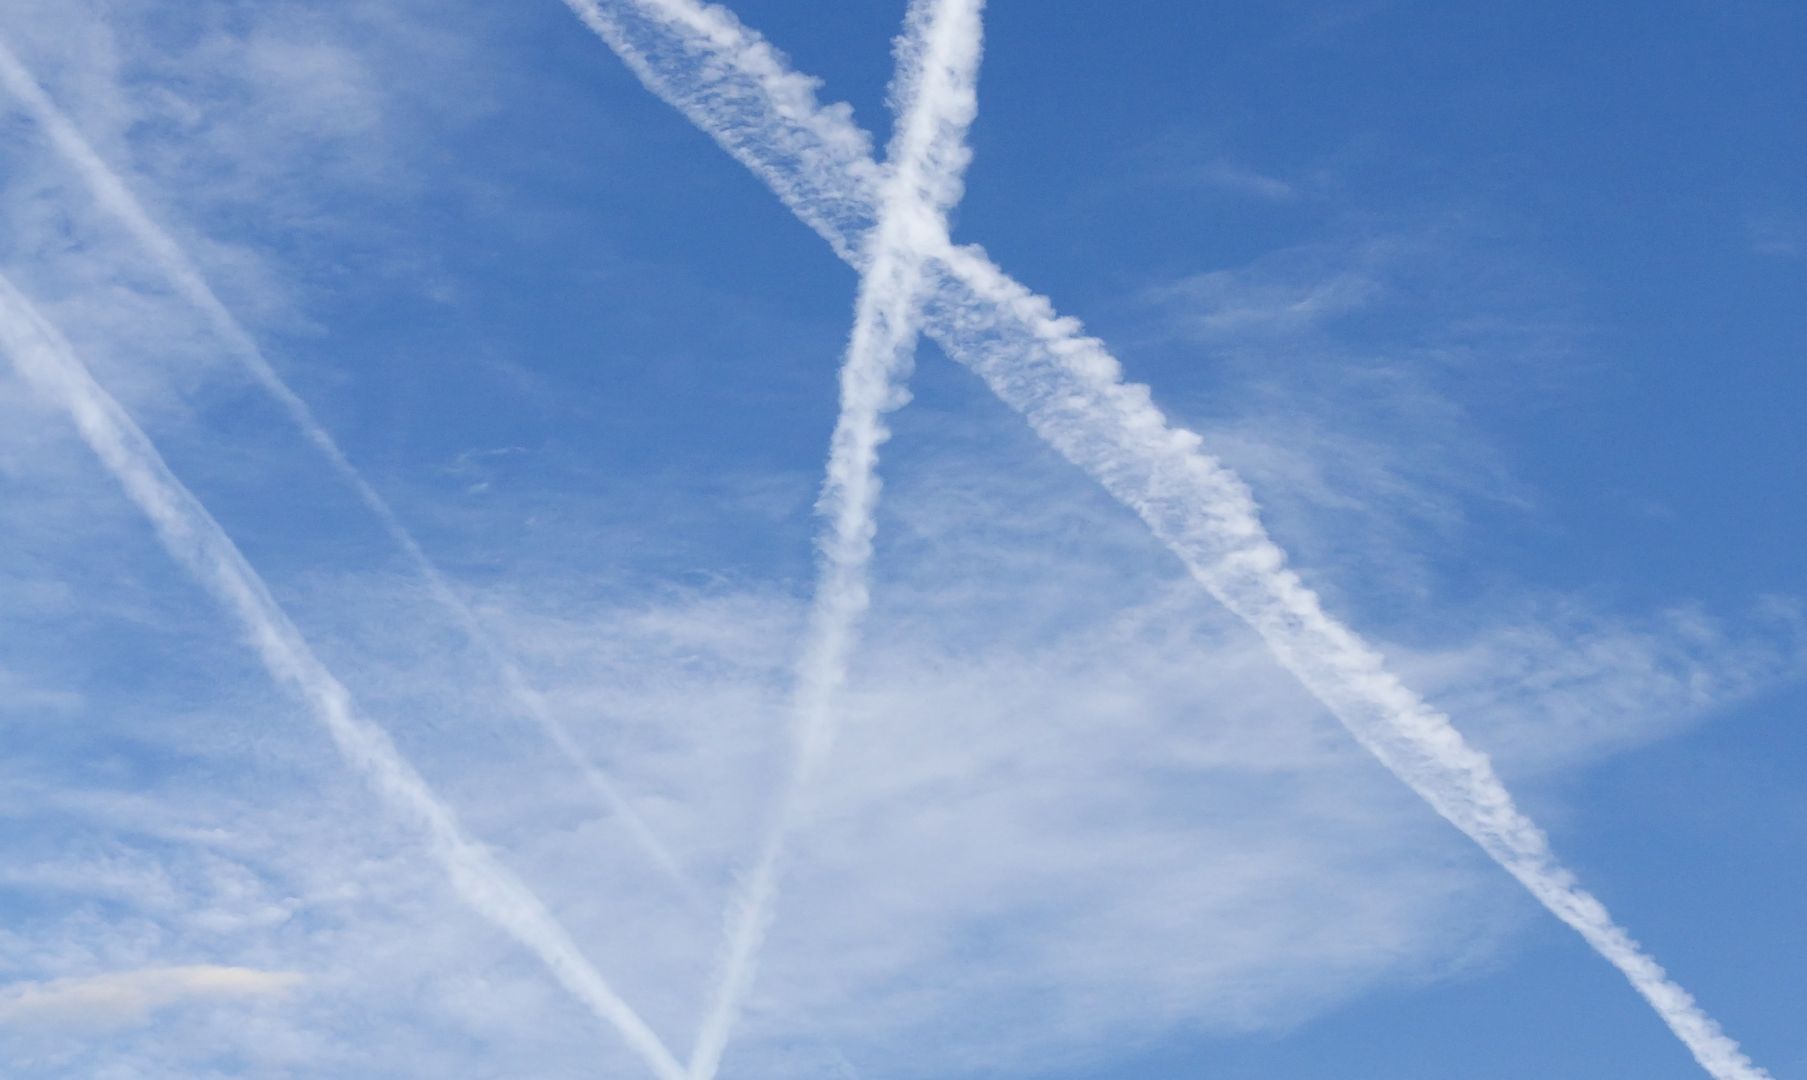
1496, 309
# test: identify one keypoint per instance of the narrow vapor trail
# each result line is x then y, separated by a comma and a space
934, 96
195, 540
738, 89
110, 190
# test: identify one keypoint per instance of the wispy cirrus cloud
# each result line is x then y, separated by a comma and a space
1242, 180
111, 191
1220, 305
1778, 233
1234, 863
1079, 808
123, 998
1072, 392
194, 539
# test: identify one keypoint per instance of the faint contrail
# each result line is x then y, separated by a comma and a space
195, 540
111, 192
739, 90
934, 96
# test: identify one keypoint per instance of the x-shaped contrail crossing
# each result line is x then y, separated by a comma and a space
890, 222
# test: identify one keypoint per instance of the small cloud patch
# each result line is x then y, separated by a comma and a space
128, 998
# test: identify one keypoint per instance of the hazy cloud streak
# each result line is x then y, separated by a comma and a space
110, 190
739, 90
121, 998
191, 535
934, 96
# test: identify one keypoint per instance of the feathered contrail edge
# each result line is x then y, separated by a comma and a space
195, 540
738, 89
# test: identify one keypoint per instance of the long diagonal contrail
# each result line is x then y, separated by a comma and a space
934, 96
195, 540
738, 89
111, 192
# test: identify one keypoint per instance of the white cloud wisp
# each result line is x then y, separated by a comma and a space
935, 97
739, 90
121, 998
195, 540
111, 192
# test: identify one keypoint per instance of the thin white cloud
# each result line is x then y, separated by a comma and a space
1781, 234
112, 193
1071, 390
1242, 180
1217, 303
124, 998
19, 693
1081, 737
1367, 437
1550, 684
935, 95
196, 541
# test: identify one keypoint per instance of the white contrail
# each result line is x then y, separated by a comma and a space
111, 192
934, 96
739, 90
195, 540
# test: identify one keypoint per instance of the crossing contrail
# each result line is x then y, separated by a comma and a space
739, 90
110, 190
934, 96
195, 540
